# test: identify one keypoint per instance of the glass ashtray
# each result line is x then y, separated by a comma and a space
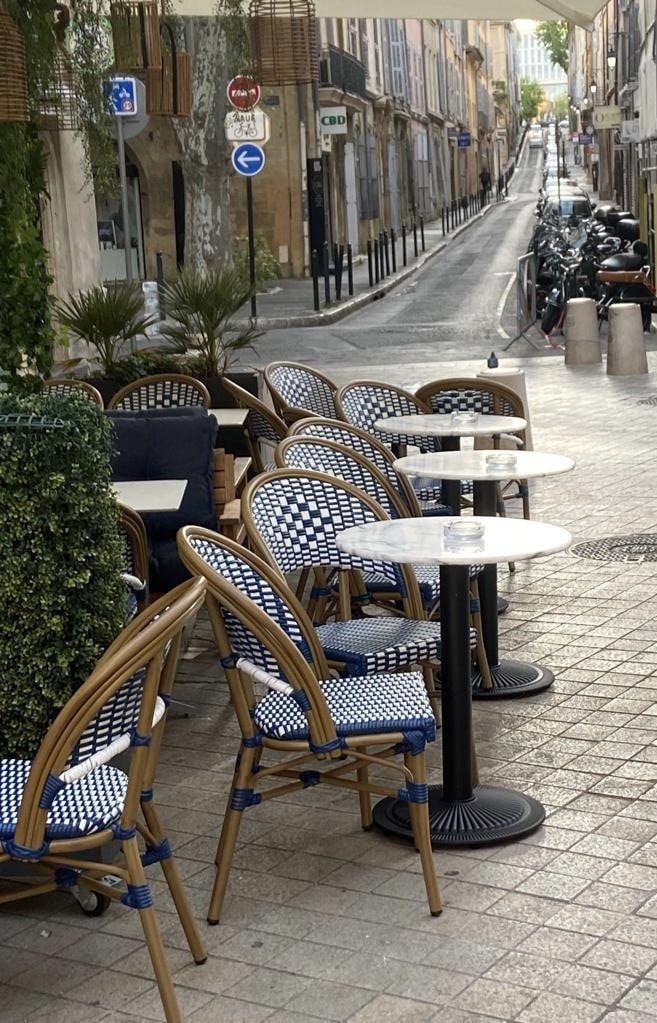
465, 418
502, 460
463, 533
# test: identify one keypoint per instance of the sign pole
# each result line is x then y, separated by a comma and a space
252, 273
125, 210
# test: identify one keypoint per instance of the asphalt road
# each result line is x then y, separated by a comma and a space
460, 306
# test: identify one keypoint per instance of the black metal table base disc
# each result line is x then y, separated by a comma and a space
491, 815
502, 605
511, 678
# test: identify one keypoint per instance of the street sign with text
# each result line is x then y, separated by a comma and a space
333, 120
243, 92
122, 94
247, 126
606, 117
585, 139
248, 159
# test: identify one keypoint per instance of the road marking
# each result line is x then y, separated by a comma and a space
502, 302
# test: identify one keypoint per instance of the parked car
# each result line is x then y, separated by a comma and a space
536, 138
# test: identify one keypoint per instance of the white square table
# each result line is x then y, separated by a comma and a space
151, 495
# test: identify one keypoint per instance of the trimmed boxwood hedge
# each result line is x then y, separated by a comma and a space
61, 594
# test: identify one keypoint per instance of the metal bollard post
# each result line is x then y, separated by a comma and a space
338, 258
415, 238
382, 269
376, 261
424, 249
393, 249
386, 250
404, 244
160, 285
327, 274
314, 269
350, 270
442, 220
369, 262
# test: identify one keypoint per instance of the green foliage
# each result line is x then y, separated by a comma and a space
531, 97
107, 319
561, 107
267, 267
235, 27
60, 583
201, 304
553, 35
26, 336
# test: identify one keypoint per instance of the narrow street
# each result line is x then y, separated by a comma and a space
460, 306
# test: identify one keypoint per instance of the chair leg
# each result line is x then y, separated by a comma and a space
482, 659
366, 819
148, 919
419, 815
229, 832
176, 887
429, 673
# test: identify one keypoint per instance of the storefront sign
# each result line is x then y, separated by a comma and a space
606, 117
333, 120
464, 140
630, 130
584, 139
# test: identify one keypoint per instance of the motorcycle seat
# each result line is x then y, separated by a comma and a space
623, 261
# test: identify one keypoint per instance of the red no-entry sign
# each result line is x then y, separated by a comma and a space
243, 92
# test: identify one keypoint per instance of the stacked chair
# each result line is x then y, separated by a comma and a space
263, 427
162, 390
64, 386
298, 391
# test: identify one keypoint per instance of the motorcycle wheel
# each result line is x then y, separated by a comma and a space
550, 319
646, 318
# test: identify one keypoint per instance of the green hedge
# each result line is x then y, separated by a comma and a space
60, 560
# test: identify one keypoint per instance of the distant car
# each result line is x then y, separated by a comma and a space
536, 138
570, 205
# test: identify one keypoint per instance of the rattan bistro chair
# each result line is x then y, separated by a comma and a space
263, 426
69, 799
135, 557
63, 387
299, 391
364, 401
305, 717
162, 390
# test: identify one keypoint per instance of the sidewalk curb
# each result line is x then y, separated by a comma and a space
372, 294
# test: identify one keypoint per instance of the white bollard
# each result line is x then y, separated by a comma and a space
582, 334
514, 379
626, 347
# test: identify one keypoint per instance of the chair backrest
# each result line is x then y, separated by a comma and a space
365, 444
135, 556
320, 455
365, 401
63, 387
471, 394
262, 424
299, 391
256, 619
120, 706
163, 390
293, 516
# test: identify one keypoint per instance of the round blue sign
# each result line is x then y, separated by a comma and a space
248, 159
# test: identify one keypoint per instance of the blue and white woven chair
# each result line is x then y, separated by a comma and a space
162, 390
299, 391
70, 799
366, 444
263, 426
135, 557
64, 387
340, 727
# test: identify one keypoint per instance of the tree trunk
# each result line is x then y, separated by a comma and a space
205, 152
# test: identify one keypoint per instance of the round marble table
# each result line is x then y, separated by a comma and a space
509, 677
461, 814
449, 427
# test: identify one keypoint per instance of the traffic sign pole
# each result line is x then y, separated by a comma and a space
251, 236
125, 209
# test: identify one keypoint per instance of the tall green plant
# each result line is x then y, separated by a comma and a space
107, 319
201, 305
60, 560
553, 35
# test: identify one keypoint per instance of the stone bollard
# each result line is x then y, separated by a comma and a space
582, 334
626, 348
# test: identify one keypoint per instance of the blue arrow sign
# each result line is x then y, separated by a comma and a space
248, 159
122, 95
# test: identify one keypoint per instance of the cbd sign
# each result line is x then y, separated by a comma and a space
333, 120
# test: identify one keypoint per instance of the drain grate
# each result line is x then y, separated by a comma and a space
635, 547
650, 400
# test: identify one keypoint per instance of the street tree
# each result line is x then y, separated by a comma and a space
553, 35
531, 97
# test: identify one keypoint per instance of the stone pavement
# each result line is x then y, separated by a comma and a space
325, 922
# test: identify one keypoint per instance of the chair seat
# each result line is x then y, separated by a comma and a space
428, 579
358, 706
380, 643
91, 804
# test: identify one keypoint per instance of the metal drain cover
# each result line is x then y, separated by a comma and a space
635, 547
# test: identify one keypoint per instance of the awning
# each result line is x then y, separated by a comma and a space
581, 12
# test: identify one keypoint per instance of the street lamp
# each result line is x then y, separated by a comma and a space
593, 88
611, 57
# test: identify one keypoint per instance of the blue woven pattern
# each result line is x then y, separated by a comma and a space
301, 388
378, 644
340, 434
161, 394
117, 717
363, 404
428, 579
81, 808
299, 519
466, 399
253, 585
378, 703
320, 458
261, 428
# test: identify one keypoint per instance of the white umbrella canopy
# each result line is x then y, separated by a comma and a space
581, 12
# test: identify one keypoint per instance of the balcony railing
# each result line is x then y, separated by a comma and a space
339, 69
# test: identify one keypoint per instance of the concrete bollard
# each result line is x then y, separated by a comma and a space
626, 347
582, 334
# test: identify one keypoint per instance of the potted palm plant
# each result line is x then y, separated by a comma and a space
109, 320
201, 306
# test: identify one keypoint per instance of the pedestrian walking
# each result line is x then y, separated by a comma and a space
484, 178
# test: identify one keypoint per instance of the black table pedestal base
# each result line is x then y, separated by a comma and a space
490, 815
511, 678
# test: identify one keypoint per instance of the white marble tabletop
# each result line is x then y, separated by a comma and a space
229, 416
151, 495
480, 465
423, 541
434, 424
